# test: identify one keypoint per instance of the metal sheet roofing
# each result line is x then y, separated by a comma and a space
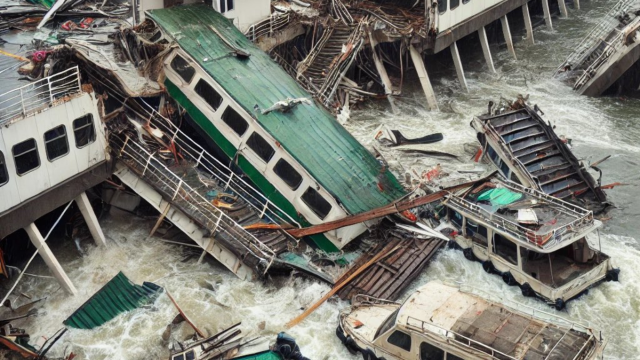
117, 296
308, 132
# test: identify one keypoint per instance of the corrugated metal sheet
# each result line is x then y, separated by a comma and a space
117, 296
308, 132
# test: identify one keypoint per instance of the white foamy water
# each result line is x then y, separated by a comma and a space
215, 299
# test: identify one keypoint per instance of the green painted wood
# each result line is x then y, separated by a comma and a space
117, 296
308, 132
267, 355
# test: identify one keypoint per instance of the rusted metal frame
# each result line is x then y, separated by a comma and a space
561, 177
315, 51
514, 130
507, 152
528, 136
338, 71
556, 345
547, 154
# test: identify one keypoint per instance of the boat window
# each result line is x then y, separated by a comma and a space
182, 67
401, 340
430, 352
288, 174
316, 203
261, 147
455, 217
4, 175
505, 248
25, 155
504, 168
453, 357
464, 2
453, 4
55, 142
235, 121
442, 6
477, 232
208, 94
83, 131
189, 355
178, 357
226, 5
387, 324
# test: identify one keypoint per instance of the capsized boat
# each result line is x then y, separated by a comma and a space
547, 246
525, 149
247, 106
445, 322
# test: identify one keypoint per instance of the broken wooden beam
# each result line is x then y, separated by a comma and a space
392, 208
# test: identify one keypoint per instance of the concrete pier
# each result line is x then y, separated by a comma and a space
576, 4
90, 218
48, 257
527, 23
482, 34
418, 63
382, 71
563, 8
507, 36
547, 14
458, 63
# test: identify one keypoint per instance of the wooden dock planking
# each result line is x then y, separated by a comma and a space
389, 277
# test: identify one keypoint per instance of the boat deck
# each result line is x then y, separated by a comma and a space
545, 157
388, 277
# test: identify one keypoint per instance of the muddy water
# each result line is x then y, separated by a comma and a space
216, 299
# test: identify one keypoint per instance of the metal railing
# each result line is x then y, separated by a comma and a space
38, 95
178, 193
267, 26
190, 149
611, 47
604, 27
583, 218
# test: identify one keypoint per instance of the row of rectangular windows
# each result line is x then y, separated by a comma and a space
427, 351
261, 147
442, 5
25, 153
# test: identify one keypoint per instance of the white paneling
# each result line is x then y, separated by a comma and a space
37, 180
93, 153
64, 167
9, 196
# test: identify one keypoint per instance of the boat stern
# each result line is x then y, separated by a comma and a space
359, 323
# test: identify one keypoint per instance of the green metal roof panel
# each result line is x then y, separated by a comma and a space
308, 132
117, 296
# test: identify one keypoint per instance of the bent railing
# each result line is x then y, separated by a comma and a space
39, 95
267, 26
179, 193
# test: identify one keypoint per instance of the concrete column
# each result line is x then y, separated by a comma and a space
458, 63
527, 23
576, 4
482, 33
547, 14
49, 259
382, 71
563, 8
507, 36
90, 218
418, 63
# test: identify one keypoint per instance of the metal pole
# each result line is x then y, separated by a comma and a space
551, 269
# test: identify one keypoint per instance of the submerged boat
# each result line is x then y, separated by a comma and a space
536, 241
440, 322
258, 117
526, 150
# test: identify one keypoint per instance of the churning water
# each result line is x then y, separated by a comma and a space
215, 299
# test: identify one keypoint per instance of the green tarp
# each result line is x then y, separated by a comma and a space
499, 197
267, 355
117, 296
308, 131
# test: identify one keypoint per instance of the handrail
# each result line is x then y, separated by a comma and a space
454, 338
254, 198
38, 95
267, 26
147, 166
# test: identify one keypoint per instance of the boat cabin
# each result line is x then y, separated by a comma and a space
440, 322
289, 146
542, 244
526, 150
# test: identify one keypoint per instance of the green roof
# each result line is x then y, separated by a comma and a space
117, 296
308, 132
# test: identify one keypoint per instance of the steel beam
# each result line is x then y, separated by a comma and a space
49, 259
